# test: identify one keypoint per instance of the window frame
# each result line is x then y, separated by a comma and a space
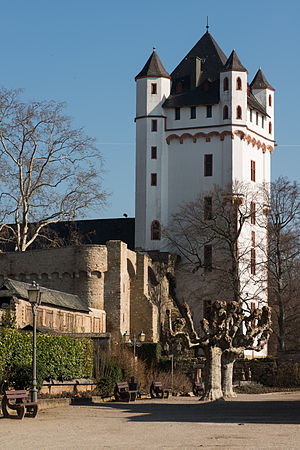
153, 179
154, 126
208, 165
207, 208
207, 257
226, 84
239, 85
177, 113
193, 112
253, 170
225, 113
155, 237
153, 152
239, 115
253, 261
253, 213
209, 111
153, 88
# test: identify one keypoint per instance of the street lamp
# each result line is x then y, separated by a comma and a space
34, 297
171, 356
135, 342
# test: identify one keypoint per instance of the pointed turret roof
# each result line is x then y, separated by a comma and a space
233, 63
153, 68
260, 81
212, 59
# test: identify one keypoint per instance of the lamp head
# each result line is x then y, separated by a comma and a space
34, 294
142, 336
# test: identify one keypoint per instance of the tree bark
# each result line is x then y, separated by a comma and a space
227, 375
213, 387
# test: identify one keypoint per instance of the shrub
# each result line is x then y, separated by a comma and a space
150, 352
58, 357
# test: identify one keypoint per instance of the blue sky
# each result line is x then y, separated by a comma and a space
87, 54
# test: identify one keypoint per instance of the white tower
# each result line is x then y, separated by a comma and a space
152, 89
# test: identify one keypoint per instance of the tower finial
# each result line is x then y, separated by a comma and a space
207, 26
154, 48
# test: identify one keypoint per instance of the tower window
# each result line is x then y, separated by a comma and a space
208, 110
208, 258
253, 238
238, 112
257, 118
153, 88
250, 115
225, 84
153, 179
253, 261
262, 121
193, 112
225, 112
177, 113
155, 230
253, 171
270, 100
238, 84
208, 165
253, 213
153, 152
270, 127
153, 125
207, 208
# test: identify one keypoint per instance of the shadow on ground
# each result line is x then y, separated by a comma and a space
265, 412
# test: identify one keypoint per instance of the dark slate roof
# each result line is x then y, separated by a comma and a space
81, 232
253, 103
260, 81
49, 296
233, 63
153, 68
207, 89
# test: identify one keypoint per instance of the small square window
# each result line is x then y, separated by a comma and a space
153, 125
153, 88
153, 179
153, 152
177, 113
208, 165
208, 110
193, 112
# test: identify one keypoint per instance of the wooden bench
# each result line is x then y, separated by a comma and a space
19, 404
156, 390
123, 393
198, 388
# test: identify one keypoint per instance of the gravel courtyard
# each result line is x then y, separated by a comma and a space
248, 422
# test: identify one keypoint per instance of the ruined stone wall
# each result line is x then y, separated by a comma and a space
76, 270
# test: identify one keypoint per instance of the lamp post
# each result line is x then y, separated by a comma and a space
34, 297
135, 342
171, 356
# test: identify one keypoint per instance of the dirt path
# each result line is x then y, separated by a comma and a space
249, 422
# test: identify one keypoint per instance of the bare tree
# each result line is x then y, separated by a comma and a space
283, 198
49, 171
212, 236
224, 337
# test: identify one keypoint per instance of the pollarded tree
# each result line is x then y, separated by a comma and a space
283, 198
224, 337
49, 171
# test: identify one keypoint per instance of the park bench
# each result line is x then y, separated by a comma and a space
198, 388
157, 390
20, 404
123, 393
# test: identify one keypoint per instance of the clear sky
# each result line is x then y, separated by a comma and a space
87, 53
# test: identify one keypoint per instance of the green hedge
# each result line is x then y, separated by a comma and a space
60, 357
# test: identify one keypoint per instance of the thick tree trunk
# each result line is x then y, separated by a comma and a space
227, 375
213, 387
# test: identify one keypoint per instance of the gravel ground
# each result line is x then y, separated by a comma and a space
260, 421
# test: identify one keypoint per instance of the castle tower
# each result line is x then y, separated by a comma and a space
213, 128
152, 88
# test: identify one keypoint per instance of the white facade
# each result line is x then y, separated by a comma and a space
235, 142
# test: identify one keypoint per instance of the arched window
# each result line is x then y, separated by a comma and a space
270, 100
270, 127
225, 84
225, 112
238, 112
238, 84
155, 230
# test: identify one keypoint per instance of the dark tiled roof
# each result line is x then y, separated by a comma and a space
253, 103
260, 81
153, 68
49, 296
205, 90
233, 63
